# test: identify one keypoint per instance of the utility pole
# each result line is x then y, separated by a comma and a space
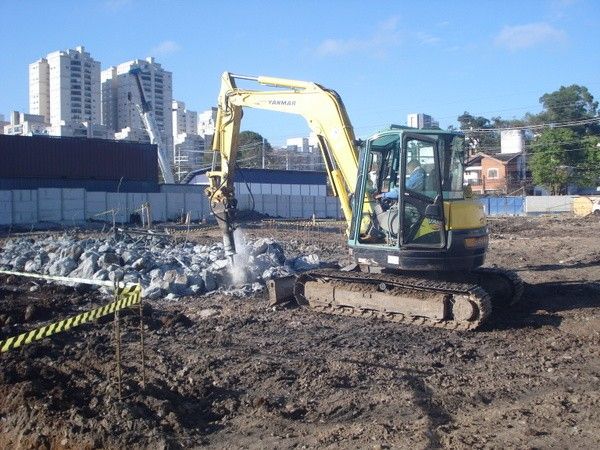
263, 153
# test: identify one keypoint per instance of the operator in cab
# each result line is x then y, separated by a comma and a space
415, 181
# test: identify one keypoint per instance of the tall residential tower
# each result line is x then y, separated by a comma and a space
64, 88
120, 95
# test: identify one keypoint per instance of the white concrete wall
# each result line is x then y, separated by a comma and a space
548, 204
73, 206
6, 203
70, 206
280, 189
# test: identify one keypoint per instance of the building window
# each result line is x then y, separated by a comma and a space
492, 173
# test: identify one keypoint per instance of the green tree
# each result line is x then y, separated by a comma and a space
479, 141
555, 159
569, 103
589, 168
251, 146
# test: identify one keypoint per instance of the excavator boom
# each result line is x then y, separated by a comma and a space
326, 117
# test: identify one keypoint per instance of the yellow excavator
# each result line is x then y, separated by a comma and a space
417, 238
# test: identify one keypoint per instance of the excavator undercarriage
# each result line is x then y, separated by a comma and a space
451, 301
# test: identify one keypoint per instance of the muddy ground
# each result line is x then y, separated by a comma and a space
231, 372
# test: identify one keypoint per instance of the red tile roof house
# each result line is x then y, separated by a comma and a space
501, 173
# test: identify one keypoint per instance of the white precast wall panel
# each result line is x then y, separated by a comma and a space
95, 203
244, 203
283, 207
25, 207
50, 205
118, 203
308, 207
158, 206
135, 202
73, 205
334, 209
548, 204
295, 206
197, 205
175, 205
320, 206
269, 204
6, 217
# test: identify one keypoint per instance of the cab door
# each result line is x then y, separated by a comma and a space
421, 202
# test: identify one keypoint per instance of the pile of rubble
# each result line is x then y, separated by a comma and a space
164, 269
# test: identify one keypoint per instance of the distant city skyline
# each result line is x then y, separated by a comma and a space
385, 60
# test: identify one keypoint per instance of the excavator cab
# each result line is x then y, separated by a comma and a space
412, 198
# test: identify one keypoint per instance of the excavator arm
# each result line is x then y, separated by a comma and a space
326, 116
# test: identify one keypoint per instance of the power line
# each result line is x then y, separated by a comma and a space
571, 123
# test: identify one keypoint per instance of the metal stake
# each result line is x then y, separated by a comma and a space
118, 344
142, 345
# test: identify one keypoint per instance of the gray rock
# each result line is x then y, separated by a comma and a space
108, 259
197, 288
104, 248
62, 267
306, 262
74, 251
219, 264
209, 279
156, 273
116, 275
19, 262
86, 269
101, 275
33, 266
152, 293
143, 263
275, 272
170, 276
129, 256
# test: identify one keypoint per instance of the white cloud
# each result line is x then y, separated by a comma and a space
165, 48
526, 36
385, 36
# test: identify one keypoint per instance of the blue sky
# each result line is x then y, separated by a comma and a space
385, 58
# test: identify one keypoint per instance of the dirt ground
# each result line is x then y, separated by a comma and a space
232, 372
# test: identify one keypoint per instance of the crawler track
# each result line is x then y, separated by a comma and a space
352, 294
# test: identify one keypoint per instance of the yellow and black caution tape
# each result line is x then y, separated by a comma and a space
126, 296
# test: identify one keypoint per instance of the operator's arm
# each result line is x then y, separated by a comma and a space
391, 195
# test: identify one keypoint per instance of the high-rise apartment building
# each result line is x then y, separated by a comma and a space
420, 120
206, 122
120, 95
39, 88
188, 145
64, 88
184, 120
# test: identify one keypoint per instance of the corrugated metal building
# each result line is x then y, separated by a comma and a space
31, 162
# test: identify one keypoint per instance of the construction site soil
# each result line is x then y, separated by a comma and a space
226, 371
